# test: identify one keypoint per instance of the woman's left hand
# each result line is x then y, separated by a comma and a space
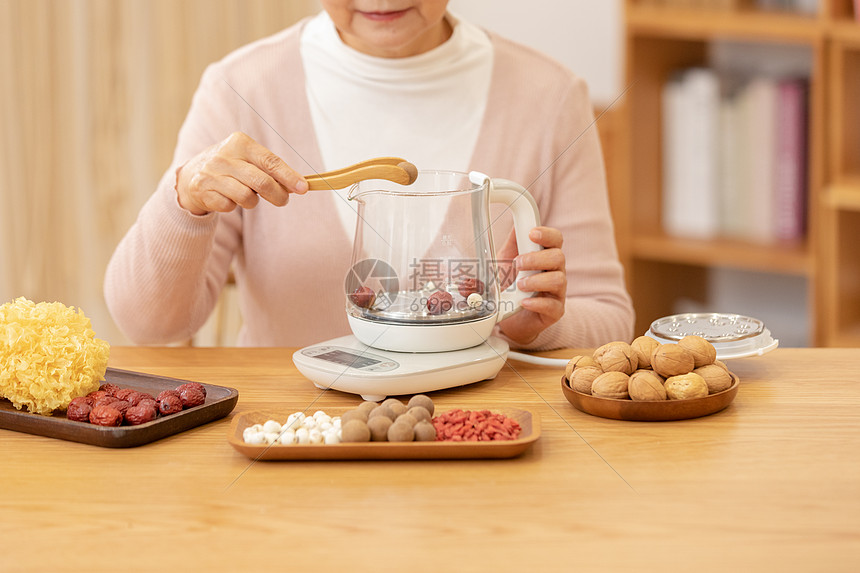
547, 306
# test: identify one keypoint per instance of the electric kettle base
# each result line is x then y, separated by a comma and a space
348, 365
422, 338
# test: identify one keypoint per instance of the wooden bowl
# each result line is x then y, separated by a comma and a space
662, 411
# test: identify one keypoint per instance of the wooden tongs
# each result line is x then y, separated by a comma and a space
393, 169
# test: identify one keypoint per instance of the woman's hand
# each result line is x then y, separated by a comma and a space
235, 172
547, 306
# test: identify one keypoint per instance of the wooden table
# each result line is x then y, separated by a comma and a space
770, 484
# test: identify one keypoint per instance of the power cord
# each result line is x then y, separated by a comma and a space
539, 360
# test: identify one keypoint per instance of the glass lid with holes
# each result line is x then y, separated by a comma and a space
733, 335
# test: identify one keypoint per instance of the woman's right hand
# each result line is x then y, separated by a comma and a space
235, 172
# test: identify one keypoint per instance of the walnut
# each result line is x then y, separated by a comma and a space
616, 357
644, 346
611, 385
583, 378
717, 379
578, 362
703, 351
646, 385
721, 364
672, 360
686, 386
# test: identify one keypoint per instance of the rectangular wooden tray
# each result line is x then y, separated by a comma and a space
220, 401
528, 421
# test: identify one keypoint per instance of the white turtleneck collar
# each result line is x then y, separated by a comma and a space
426, 108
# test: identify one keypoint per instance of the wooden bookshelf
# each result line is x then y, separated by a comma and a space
839, 255
662, 38
789, 259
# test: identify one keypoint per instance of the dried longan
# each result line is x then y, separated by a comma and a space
355, 414
355, 431
406, 418
424, 432
367, 407
396, 406
382, 410
423, 401
400, 432
419, 413
379, 428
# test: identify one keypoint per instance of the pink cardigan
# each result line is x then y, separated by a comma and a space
167, 272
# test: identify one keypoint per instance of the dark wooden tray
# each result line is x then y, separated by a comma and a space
220, 401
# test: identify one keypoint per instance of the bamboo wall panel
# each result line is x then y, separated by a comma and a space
92, 95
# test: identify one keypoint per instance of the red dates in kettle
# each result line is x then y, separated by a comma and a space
363, 297
469, 286
440, 302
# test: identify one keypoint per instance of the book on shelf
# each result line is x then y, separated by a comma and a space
790, 163
698, 4
758, 109
808, 7
691, 122
734, 158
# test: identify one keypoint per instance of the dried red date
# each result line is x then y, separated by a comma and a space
96, 394
470, 286
111, 405
111, 389
363, 297
79, 410
104, 400
124, 393
136, 398
164, 393
196, 385
440, 302
191, 396
141, 414
120, 405
105, 416
149, 403
170, 405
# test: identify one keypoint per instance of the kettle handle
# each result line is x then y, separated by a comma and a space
526, 216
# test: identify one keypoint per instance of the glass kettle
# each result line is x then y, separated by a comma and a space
424, 276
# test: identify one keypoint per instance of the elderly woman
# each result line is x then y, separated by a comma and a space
367, 78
